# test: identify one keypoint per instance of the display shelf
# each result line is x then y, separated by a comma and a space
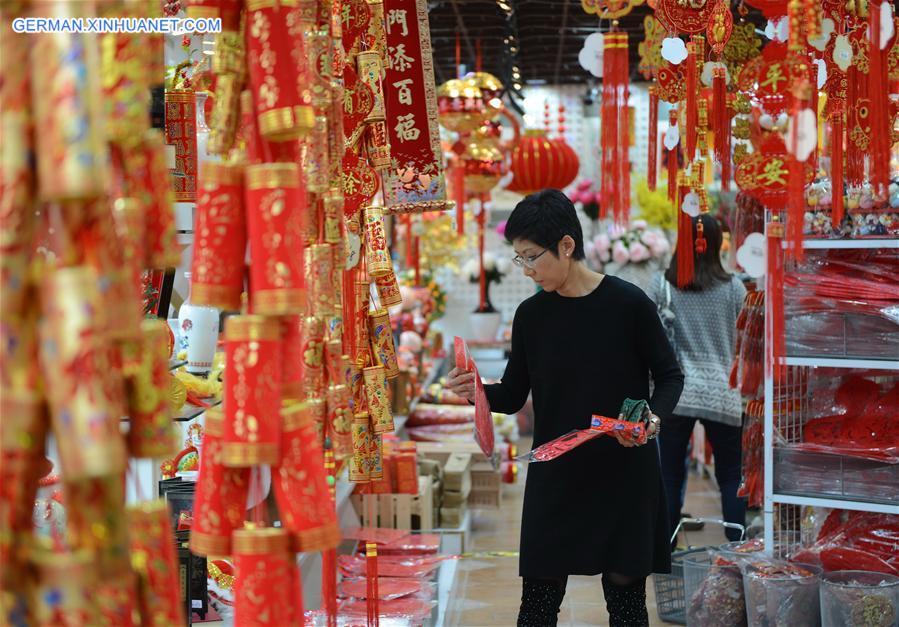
817, 474
189, 412
828, 244
847, 503
437, 367
843, 362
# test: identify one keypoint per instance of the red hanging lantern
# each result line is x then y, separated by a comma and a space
539, 163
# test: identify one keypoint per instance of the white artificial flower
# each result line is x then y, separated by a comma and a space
640, 224
489, 261
503, 265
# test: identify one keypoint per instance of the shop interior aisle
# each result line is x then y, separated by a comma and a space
487, 590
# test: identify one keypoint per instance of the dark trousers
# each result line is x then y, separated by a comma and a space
727, 447
541, 600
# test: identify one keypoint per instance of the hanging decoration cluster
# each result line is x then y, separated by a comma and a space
808, 118
324, 121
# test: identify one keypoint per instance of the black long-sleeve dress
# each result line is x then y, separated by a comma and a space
600, 507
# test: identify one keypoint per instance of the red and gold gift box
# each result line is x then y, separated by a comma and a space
149, 182
220, 503
301, 486
23, 433
72, 160
263, 594
333, 205
280, 110
292, 358
389, 290
87, 398
229, 66
359, 470
252, 402
96, 521
63, 587
368, 68
275, 205
340, 418
319, 268
313, 355
124, 64
151, 433
377, 255
220, 237
17, 215
377, 398
377, 145
154, 561
382, 344
181, 132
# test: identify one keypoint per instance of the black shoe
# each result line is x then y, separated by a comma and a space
691, 526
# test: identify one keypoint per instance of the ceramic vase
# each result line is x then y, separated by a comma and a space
199, 331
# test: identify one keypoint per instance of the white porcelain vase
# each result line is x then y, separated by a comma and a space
485, 326
199, 333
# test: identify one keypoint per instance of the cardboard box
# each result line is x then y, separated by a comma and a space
441, 451
484, 499
454, 499
484, 477
452, 516
457, 473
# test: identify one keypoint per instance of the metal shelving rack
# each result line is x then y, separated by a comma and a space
787, 401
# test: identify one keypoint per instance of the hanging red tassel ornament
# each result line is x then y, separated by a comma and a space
457, 176
329, 557
694, 56
684, 236
774, 298
482, 275
721, 122
371, 579
836, 165
878, 92
652, 139
615, 139
796, 177
301, 486
263, 594
700, 245
672, 160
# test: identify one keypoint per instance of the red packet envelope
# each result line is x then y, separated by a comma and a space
599, 425
483, 419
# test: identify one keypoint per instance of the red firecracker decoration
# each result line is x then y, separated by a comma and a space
266, 587
615, 139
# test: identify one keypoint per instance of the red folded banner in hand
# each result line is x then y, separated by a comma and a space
635, 429
483, 419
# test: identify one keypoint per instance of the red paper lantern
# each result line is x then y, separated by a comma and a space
539, 163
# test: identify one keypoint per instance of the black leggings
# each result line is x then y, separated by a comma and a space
541, 600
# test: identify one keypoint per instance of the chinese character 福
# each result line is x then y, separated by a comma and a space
405, 128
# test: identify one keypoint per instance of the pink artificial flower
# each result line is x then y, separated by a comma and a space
639, 252
650, 238
661, 247
640, 224
583, 186
501, 228
619, 253
617, 231
602, 242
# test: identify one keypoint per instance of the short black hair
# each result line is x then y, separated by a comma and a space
545, 218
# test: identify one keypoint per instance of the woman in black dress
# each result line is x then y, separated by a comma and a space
581, 346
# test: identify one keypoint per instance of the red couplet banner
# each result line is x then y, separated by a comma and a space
414, 182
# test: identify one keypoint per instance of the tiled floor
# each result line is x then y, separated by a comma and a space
488, 590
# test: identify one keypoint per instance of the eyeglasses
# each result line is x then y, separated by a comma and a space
527, 262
